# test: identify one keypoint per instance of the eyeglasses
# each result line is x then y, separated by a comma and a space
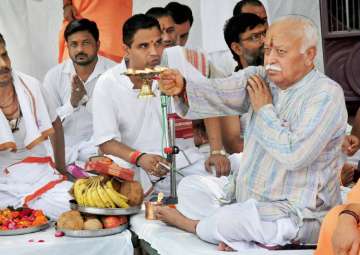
255, 37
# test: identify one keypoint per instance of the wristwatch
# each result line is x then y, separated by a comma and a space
218, 152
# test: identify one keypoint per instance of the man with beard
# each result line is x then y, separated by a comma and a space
167, 25
27, 119
244, 36
128, 128
288, 176
72, 83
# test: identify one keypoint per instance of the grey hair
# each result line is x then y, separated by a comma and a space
308, 27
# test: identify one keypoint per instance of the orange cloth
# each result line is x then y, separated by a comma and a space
109, 16
328, 225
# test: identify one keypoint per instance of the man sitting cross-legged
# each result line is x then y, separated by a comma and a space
287, 179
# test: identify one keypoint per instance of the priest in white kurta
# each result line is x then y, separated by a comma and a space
137, 122
125, 125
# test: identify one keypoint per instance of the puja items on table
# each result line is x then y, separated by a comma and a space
20, 218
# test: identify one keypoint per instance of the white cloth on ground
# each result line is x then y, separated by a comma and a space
77, 122
119, 244
167, 240
237, 224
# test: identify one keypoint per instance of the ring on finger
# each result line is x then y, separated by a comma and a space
77, 89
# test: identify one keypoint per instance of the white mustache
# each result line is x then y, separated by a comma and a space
273, 67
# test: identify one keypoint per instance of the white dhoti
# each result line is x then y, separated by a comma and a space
238, 225
36, 184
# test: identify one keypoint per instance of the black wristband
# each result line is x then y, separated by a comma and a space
138, 158
352, 213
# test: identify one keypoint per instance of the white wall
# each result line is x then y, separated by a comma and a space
31, 28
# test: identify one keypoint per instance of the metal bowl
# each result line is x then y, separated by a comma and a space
94, 233
105, 211
23, 231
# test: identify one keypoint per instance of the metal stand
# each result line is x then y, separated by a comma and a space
171, 149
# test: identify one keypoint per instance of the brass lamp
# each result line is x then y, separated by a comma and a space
146, 76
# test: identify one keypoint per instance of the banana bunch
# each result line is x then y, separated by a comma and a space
95, 192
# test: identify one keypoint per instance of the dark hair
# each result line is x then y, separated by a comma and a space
236, 26
238, 7
180, 12
136, 22
158, 12
82, 25
2, 40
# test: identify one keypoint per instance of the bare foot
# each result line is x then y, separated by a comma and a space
174, 218
224, 247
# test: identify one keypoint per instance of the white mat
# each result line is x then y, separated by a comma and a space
171, 241
119, 244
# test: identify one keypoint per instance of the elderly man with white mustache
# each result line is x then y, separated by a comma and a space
287, 179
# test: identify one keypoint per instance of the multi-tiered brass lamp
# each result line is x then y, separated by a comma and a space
147, 76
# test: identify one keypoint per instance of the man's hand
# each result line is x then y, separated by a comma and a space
259, 92
347, 174
150, 163
346, 238
350, 145
221, 163
77, 91
171, 82
69, 12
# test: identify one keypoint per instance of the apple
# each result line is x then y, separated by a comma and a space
113, 221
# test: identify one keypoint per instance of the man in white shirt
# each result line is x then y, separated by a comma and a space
129, 129
71, 84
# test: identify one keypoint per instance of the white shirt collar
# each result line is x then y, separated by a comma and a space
99, 69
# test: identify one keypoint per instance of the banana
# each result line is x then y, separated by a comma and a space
95, 195
105, 197
89, 200
110, 185
116, 197
79, 189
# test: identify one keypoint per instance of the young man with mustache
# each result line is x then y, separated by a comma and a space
128, 128
72, 82
288, 176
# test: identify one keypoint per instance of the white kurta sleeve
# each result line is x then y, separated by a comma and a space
105, 123
51, 86
49, 101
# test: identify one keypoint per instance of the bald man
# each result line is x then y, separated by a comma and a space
287, 179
